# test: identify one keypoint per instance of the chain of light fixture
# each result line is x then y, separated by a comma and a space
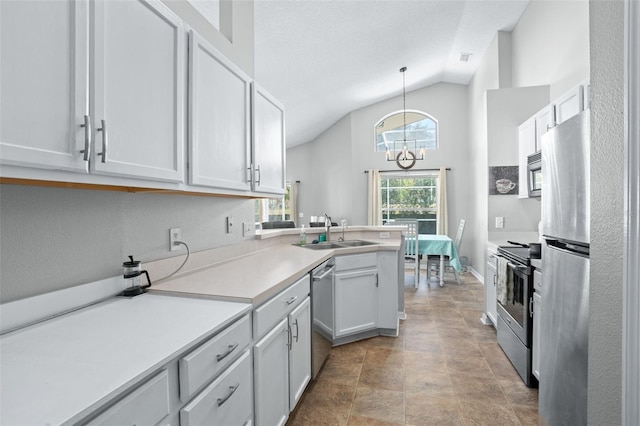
405, 158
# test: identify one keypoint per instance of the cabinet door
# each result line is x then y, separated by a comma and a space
356, 302
545, 120
537, 316
300, 353
490, 284
271, 376
219, 119
569, 104
268, 143
526, 147
138, 107
44, 84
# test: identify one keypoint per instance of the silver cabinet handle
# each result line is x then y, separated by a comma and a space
232, 390
87, 138
249, 170
258, 174
105, 140
297, 330
289, 338
231, 348
377, 284
495, 280
293, 299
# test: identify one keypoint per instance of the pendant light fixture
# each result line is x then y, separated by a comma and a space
405, 159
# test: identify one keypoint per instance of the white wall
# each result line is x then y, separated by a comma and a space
551, 45
341, 154
607, 213
240, 14
54, 238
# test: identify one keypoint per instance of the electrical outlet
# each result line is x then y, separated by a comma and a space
175, 234
385, 235
229, 222
499, 222
248, 229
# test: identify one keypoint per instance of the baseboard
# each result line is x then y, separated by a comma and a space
476, 274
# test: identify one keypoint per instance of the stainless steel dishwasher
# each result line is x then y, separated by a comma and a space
321, 314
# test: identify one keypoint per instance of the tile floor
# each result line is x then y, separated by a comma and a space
444, 368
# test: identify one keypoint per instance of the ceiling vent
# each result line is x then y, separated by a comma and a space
464, 57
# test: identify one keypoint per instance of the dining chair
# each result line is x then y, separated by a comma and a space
433, 262
411, 253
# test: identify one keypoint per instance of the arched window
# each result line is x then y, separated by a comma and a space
421, 131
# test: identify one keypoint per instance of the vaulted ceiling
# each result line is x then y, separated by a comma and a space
325, 58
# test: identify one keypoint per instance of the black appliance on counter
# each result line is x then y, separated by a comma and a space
515, 318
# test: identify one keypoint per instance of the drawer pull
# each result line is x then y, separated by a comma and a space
231, 348
293, 299
232, 390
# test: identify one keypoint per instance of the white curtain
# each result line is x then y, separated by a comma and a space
441, 215
293, 203
374, 212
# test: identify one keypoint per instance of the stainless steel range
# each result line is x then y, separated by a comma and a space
515, 319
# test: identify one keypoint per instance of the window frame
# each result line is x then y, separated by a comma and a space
386, 176
416, 146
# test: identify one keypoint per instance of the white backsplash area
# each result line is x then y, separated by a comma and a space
55, 238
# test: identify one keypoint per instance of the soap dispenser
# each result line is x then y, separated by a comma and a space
303, 236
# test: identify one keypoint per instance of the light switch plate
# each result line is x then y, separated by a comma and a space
385, 235
499, 222
248, 229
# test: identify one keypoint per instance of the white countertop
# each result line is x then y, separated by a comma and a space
63, 369
259, 276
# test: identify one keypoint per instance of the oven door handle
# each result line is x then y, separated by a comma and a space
531, 307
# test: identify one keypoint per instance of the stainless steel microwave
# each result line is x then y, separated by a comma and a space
534, 174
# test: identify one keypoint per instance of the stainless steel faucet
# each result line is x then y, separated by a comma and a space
327, 227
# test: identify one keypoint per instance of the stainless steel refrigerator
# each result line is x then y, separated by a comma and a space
565, 273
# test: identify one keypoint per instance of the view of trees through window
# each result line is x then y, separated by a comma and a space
275, 209
413, 197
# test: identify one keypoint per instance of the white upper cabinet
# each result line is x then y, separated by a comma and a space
219, 119
569, 104
545, 121
44, 84
138, 105
268, 143
122, 116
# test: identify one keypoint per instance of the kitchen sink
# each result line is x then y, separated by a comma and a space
320, 246
355, 243
339, 244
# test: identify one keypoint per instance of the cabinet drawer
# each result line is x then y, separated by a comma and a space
267, 315
203, 363
227, 401
491, 258
537, 281
146, 405
356, 261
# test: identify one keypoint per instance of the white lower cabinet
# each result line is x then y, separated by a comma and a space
537, 322
490, 283
146, 405
356, 294
271, 376
210, 384
299, 351
226, 401
356, 301
282, 356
